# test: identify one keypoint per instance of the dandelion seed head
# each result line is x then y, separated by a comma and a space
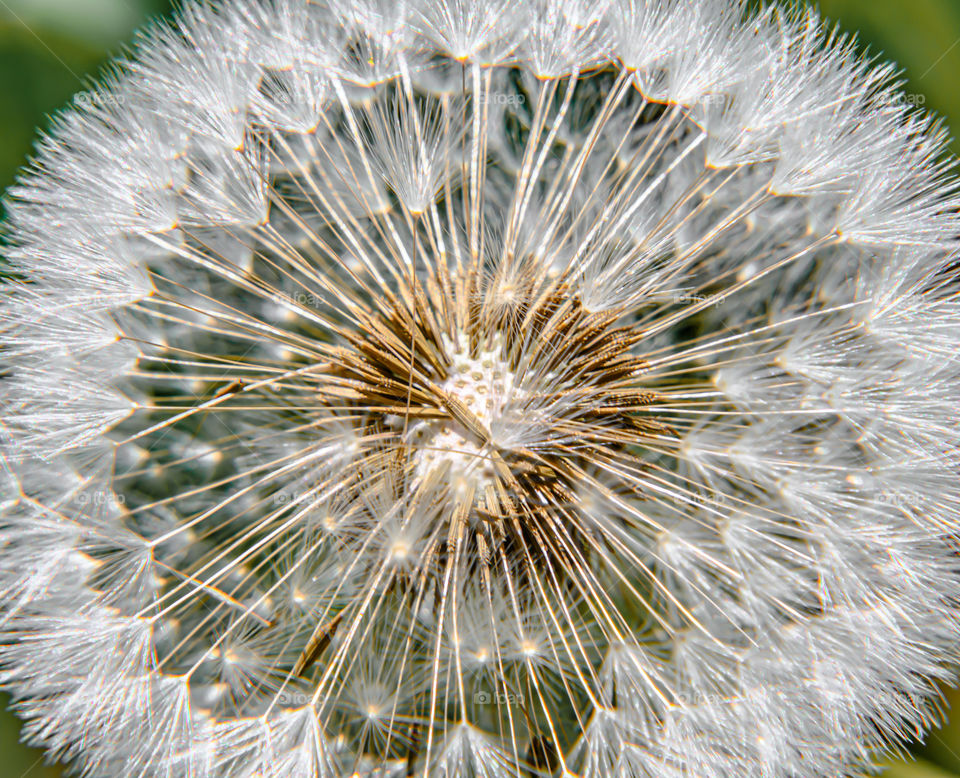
478, 388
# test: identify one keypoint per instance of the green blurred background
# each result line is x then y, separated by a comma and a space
50, 49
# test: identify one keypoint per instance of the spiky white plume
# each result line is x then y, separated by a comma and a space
474, 388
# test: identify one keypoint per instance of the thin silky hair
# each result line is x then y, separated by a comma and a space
496, 388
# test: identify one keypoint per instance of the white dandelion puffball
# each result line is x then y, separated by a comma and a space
482, 388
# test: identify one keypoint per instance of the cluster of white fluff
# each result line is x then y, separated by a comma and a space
218, 555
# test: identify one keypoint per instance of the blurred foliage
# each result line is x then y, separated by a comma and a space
35, 80
919, 768
922, 36
50, 49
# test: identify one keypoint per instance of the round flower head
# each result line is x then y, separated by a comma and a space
482, 388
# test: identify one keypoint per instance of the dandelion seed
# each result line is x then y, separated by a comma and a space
482, 389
